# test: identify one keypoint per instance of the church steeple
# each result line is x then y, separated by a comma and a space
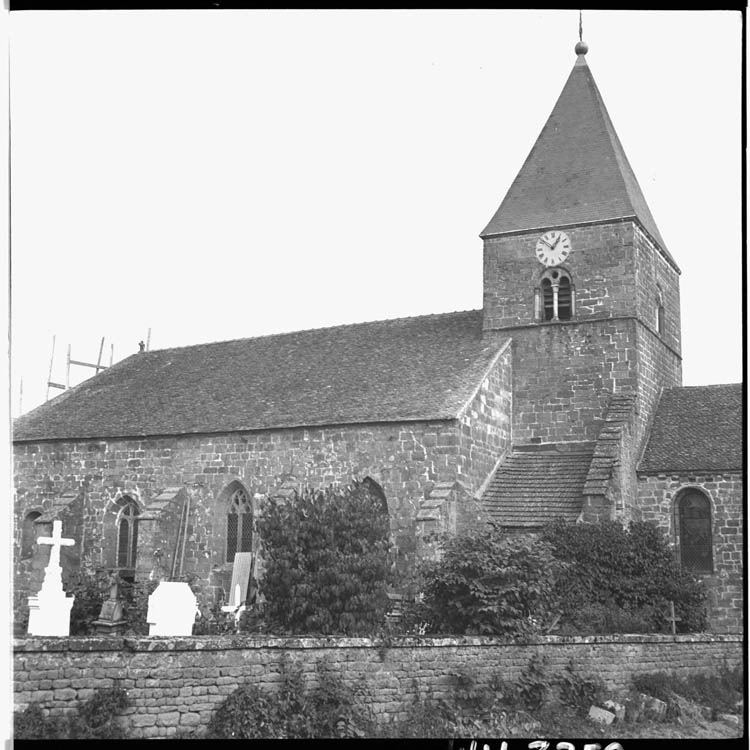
577, 275
577, 172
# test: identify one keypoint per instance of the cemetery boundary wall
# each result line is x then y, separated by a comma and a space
175, 684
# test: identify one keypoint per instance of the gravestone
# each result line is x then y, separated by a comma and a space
172, 609
239, 593
110, 620
49, 610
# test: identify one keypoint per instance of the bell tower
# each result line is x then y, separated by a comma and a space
577, 274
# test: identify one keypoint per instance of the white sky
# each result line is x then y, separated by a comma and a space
220, 174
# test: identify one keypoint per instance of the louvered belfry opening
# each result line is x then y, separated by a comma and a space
696, 550
548, 299
564, 300
239, 524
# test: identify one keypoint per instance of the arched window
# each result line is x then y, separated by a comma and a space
694, 518
127, 533
557, 296
376, 491
29, 534
565, 299
659, 311
547, 299
239, 523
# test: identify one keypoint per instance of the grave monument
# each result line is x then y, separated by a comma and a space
49, 610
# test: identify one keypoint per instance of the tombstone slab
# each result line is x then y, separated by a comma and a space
172, 609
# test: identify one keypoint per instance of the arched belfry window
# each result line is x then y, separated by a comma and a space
239, 522
29, 534
555, 296
127, 533
659, 311
694, 523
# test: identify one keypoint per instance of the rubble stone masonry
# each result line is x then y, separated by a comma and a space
564, 372
405, 458
656, 502
175, 684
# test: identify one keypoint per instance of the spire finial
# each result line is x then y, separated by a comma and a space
581, 48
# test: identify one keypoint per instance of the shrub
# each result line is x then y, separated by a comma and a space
719, 691
622, 579
32, 724
327, 562
97, 718
488, 583
90, 586
328, 709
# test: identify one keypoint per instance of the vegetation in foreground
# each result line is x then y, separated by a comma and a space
538, 703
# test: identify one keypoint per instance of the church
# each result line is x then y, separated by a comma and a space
561, 396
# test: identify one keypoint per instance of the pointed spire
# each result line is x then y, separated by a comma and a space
577, 171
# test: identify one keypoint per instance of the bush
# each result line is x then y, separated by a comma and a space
97, 718
719, 691
32, 724
622, 579
90, 587
329, 709
489, 583
327, 562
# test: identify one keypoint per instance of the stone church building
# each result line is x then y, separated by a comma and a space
561, 396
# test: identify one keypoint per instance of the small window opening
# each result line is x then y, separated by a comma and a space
547, 299
564, 300
659, 312
557, 296
29, 534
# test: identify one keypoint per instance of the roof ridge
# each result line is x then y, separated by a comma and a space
308, 330
707, 385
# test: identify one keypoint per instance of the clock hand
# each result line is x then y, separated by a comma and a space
556, 241
551, 247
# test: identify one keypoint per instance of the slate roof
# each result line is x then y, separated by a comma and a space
696, 428
418, 368
535, 484
577, 170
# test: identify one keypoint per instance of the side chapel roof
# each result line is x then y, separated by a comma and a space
696, 428
420, 368
538, 483
577, 171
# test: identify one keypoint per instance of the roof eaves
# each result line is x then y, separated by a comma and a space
651, 471
446, 417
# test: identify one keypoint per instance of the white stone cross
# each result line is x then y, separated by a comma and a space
49, 611
57, 541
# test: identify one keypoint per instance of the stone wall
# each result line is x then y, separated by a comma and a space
656, 502
564, 375
602, 266
564, 371
406, 459
176, 684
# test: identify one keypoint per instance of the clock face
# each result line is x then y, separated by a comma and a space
553, 247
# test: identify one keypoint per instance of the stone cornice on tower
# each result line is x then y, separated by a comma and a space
577, 172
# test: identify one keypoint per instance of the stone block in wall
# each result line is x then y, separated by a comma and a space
158, 531
448, 509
